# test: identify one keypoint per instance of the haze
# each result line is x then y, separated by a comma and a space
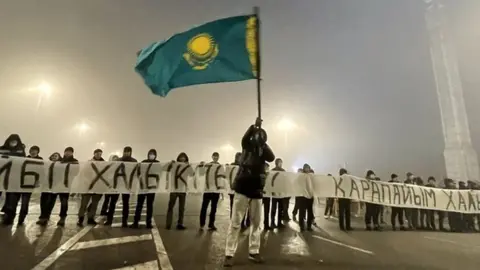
354, 76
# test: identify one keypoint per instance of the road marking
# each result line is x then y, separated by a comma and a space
47, 262
141, 266
111, 241
343, 245
161, 252
114, 225
450, 242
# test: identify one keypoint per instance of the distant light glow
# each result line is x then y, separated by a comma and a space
227, 148
45, 89
286, 124
117, 153
82, 128
100, 144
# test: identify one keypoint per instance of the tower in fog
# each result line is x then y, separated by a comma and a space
460, 158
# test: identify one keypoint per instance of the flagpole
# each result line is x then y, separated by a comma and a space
256, 11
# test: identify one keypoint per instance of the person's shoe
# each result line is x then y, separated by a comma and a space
342, 229
80, 222
377, 228
61, 222
134, 225
349, 229
149, 226
168, 227
92, 222
273, 225
256, 258
368, 228
20, 223
212, 228
228, 261
180, 227
267, 228
124, 224
281, 226
108, 223
402, 228
7, 222
42, 222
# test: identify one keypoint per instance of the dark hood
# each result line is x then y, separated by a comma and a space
152, 151
13, 137
183, 154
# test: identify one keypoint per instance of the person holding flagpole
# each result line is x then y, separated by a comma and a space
248, 186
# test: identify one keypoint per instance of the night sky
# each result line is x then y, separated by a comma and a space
354, 75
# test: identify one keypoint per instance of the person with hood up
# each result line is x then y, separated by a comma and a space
210, 197
126, 157
68, 158
90, 199
107, 197
248, 186
47, 199
397, 212
25, 196
150, 197
181, 196
344, 213
372, 212
14, 147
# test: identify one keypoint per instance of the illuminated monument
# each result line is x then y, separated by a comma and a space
460, 158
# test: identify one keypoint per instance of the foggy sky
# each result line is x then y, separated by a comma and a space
354, 75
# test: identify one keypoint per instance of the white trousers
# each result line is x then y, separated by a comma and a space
240, 205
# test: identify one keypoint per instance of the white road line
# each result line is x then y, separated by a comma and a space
161, 252
450, 242
111, 241
47, 262
152, 265
114, 225
343, 245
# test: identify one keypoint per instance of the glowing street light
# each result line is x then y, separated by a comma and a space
286, 125
44, 91
82, 128
101, 145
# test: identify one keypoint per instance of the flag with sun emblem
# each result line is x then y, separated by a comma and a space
220, 51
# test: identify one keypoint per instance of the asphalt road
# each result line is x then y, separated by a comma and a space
33, 247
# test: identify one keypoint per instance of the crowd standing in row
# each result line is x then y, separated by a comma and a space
275, 210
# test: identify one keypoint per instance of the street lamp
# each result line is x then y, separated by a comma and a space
228, 149
44, 90
286, 125
82, 128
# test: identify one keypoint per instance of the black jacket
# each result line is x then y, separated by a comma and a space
37, 157
127, 159
250, 179
17, 151
70, 160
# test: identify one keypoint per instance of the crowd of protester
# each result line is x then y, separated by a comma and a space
275, 209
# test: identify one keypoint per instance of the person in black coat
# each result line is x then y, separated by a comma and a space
47, 199
107, 197
248, 186
67, 158
13, 147
89, 201
182, 198
210, 198
150, 197
372, 212
397, 212
344, 209
126, 157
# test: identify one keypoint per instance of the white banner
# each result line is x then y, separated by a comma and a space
32, 175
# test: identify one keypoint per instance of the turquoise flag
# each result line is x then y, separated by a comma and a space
220, 51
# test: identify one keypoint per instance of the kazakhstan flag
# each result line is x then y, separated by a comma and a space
220, 51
